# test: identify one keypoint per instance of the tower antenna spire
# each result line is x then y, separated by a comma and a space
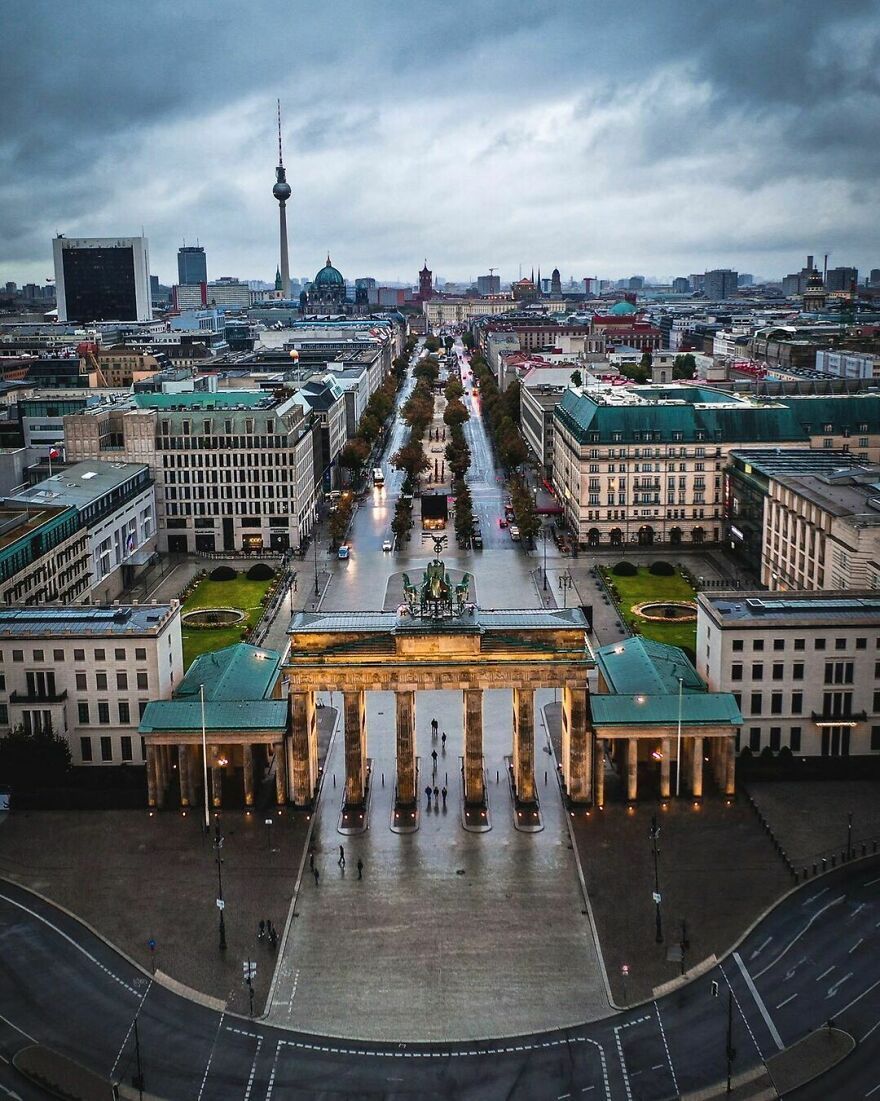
280, 158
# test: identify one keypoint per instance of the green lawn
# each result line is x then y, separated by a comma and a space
645, 586
240, 593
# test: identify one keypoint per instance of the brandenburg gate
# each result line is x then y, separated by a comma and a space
438, 639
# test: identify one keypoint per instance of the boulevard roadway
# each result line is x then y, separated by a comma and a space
814, 957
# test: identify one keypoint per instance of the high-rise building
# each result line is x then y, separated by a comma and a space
102, 278
281, 191
488, 284
875, 277
841, 279
744, 279
680, 285
192, 266
555, 282
635, 283
720, 283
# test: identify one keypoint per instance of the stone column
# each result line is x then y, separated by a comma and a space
577, 749
474, 786
161, 775
730, 765
152, 779
280, 774
697, 768
599, 774
247, 760
302, 748
665, 764
632, 770
405, 712
355, 718
216, 786
183, 773
524, 744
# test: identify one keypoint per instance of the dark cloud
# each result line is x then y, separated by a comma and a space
604, 138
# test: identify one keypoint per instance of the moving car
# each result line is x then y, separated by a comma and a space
387, 545
514, 533
502, 522
344, 552
477, 541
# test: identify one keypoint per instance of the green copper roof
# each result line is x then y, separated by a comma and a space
164, 715
238, 672
220, 399
697, 709
641, 665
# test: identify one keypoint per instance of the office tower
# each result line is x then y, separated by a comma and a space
841, 279
192, 266
102, 278
720, 283
488, 284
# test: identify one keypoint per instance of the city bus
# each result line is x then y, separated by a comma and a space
378, 477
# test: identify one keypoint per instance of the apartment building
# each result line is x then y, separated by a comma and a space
804, 667
88, 673
645, 465
44, 554
233, 470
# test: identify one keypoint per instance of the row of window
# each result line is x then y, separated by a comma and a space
123, 709
738, 644
142, 681
835, 740
106, 748
99, 654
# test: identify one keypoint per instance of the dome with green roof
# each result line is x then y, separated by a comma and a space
329, 276
622, 309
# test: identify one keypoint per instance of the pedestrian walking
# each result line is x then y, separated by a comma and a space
273, 937
428, 793
434, 726
360, 868
341, 860
443, 741
434, 759
262, 931
437, 797
312, 859
444, 793
316, 874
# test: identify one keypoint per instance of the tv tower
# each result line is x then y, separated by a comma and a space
281, 191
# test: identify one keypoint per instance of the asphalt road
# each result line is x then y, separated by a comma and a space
814, 957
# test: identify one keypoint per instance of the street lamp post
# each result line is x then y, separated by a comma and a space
315, 541
655, 831
221, 905
678, 740
565, 583
544, 537
268, 824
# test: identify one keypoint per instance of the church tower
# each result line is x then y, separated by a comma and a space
426, 283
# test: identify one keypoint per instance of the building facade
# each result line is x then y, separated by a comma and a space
102, 278
804, 668
192, 266
44, 555
88, 674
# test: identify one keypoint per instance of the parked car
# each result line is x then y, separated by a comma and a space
502, 522
344, 552
477, 541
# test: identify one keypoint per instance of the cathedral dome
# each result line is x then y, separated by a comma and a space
329, 276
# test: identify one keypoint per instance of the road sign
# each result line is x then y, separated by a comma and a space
655, 895
248, 970
221, 905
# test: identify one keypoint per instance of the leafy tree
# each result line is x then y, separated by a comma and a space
403, 519
340, 517
369, 429
428, 369
510, 400
577, 379
455, 413
454, 389
464, 512
354, 455
646, 361
524, 509
432, 343
633, 371
448, 342
468, 340
411, 460
684, 366
30, 761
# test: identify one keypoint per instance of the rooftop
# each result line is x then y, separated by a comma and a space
160, 715
775, 461
220, 399
21, 520
81, 484
473, 619
839, 608
237, 672
59, 621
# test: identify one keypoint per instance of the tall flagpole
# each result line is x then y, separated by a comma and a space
205, 758
678, 746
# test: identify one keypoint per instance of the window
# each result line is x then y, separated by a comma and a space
794, 739
797, 703
840, 644
119, 654
876, 706
142, 707
736, 672
125, 746
738, 699
756, 703
800, 644
122, 681
101, 682
861, 644
106, 748
757, 670
103, 711
142, 680
140, 653
38, 655
4, 715
85, 748
124, 712
797, 671
757, 644
875, 738
819, 644
775, 703
755, 739
778, 670
775, 738
58, 655
839, 672
83, 713
81, 682
100, 656
79, 655
737, 645
778, 643
18, 655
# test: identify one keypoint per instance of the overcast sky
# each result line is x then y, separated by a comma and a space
608, 139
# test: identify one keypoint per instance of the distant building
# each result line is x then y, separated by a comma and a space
744, 279
875, 277
189, 296
192, 265
720, 284
426, 283
680, 285
44, 554
488, 284
102, 278
228, 292
327, 292
841, 279
635, 282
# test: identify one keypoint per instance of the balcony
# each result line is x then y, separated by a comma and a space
28, 698
853, 719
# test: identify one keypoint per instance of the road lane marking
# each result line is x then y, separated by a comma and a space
211, 1056
859, 997
130, 1027
10, 1093
857, 910
27, 1035
250, 1085
874, 1090
873, 1028
813, 898
757, 952
274, 1069
70, 940
790, 998
824, 973
768, 1020
666, 1047
832, 990
861, 940
790, 972
795, 939
871, 882
622, 1064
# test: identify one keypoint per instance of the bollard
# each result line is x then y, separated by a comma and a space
805, 873
383, 779
545, 777
864, 849
814, 868
496, 775
833, 861
824, 864
334, 779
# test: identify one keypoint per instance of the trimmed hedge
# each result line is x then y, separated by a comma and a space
260, 571
661, 569
625, 569
223, 573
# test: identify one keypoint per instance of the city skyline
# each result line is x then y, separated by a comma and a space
472, 156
